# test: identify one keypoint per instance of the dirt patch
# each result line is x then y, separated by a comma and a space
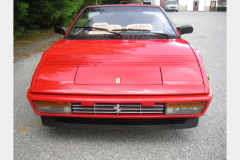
40, 35
38, 123
41, 48
24, 129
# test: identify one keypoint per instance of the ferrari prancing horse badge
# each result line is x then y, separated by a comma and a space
117, 80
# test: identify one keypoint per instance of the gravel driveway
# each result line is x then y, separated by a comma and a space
207, 141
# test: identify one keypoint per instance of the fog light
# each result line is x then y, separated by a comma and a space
184, 108
53, 107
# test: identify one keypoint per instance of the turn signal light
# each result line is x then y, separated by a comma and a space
52, 104
53, 107
187, 104
184, 108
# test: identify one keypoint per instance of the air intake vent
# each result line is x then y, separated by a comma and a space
117, 108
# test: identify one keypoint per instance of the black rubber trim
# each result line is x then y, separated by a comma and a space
138, 36
120, 124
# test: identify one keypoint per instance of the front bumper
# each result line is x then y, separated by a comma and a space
120, 124
172, 9
144, 100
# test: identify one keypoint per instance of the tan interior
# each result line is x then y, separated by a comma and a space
114, 27
140, 26
103, 26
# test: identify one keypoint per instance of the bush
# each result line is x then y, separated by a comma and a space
35, 14
33, 33
221, 8
32, 15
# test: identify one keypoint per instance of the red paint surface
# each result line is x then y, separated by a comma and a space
151, 71
145, 100
131, 60
182, 75
127, 75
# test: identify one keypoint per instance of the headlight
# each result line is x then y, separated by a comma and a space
184, 108
53, 107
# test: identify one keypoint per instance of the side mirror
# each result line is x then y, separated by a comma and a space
60, 30
185, 29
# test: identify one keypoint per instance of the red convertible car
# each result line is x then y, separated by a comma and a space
121, 67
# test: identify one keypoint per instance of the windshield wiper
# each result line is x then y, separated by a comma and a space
149, 31
100, 29
162, 34
130, 29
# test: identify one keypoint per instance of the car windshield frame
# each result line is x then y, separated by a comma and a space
145, 33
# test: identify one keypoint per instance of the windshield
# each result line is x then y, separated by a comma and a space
172, 2
122, 20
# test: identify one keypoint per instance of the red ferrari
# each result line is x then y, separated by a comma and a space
121, 67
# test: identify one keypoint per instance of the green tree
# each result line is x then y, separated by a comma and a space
30, 14
20, 12
112, 2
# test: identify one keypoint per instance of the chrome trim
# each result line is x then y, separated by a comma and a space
118, 108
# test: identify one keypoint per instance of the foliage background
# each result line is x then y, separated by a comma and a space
221, 8
30, 15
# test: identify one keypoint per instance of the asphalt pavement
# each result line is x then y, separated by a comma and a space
206, 141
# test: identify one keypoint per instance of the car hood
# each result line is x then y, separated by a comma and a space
119, 67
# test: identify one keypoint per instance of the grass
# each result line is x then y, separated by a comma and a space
31, 37
24, 43
34, 36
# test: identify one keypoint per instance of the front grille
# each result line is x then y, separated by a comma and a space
100, 121
117, 108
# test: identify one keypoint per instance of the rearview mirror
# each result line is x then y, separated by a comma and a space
185, 29
60, 30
